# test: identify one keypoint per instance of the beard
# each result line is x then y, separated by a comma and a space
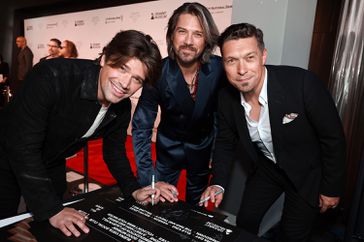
243, 87
187, 59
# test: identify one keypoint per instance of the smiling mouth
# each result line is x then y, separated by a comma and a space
187, 49
244, 78
117, 90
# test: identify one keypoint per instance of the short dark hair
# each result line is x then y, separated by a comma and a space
241, 31
209, 27
134, 44
57, 41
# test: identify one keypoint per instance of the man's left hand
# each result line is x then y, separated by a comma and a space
328, 202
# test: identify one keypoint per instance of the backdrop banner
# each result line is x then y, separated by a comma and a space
92, 30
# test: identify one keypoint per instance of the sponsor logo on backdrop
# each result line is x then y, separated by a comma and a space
219, 9
115, 19
95, 20
51, 25
79, 23
95, 45
134, 16
158, 15
29, 27
40, 46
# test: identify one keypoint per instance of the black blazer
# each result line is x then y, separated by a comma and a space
45, 123
310, 149
24, 62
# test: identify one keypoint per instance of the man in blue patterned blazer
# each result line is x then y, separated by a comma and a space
187, 95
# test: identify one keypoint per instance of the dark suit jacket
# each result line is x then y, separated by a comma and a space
310, 149
25, 62
45, 123
182, 119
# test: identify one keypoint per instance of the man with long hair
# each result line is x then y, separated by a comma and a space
186, 94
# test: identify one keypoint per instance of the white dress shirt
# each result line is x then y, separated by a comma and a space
97, 122
260, 132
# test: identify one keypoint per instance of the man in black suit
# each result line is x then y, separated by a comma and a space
285, 128
24, 63
63, 104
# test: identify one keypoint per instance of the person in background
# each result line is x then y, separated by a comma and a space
54, 48
63, 104
4, 74
4, 71
282, 123
186, 94
23, 64
68, 49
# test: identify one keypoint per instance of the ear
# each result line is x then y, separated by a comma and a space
264, 56
102, 61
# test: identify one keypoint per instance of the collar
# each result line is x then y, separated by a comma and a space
263, 96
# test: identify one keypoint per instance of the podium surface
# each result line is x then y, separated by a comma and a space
113, 218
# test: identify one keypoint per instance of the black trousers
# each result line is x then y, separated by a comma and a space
11, 192
262, 190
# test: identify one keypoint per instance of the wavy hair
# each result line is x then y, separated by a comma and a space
209, 27
134, 44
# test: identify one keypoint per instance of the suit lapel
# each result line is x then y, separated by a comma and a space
276, 101
177, 85
242, 127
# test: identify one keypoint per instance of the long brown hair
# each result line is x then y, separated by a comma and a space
209, 27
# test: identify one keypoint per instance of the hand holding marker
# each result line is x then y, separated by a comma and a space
209, 197
153, 187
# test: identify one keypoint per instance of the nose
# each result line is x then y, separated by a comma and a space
189, 38
242, 70
126, 80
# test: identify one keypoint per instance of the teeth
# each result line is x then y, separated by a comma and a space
115, 84
116, 87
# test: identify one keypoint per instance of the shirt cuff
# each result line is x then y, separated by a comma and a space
223, 190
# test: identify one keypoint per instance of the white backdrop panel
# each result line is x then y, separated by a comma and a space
92, 30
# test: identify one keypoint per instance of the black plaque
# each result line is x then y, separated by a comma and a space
112, 218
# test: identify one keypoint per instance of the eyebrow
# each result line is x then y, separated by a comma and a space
194, 31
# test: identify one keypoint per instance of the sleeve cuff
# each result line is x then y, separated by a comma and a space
223, 190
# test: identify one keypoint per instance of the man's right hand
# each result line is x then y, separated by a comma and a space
66, 221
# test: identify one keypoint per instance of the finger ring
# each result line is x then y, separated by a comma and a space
334, 206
